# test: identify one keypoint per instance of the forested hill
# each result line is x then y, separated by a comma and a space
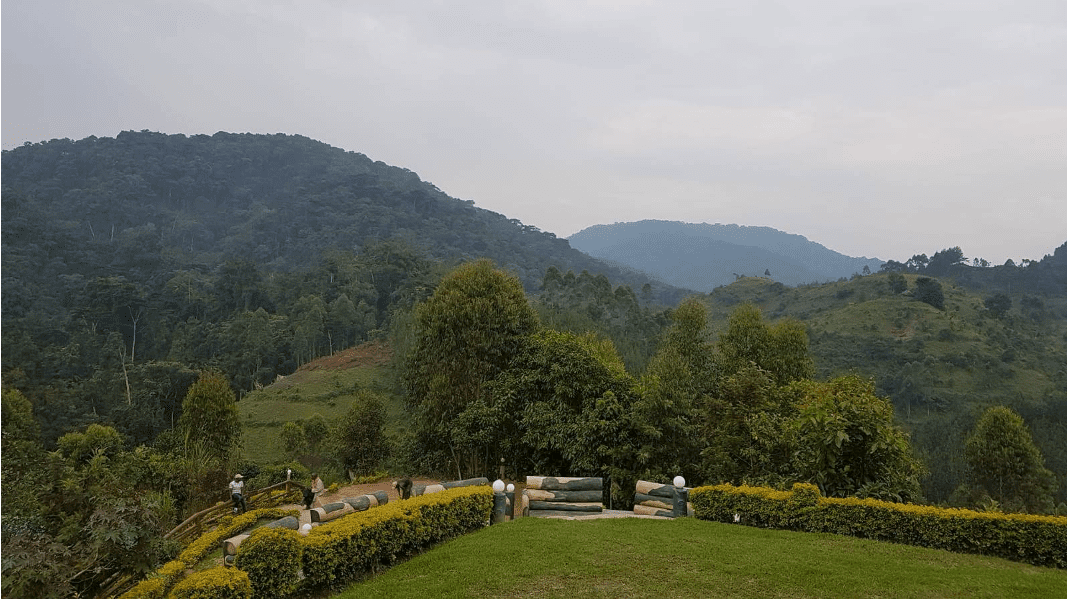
144, 201
702, 257
147, 256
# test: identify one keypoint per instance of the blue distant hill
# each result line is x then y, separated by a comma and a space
702, 257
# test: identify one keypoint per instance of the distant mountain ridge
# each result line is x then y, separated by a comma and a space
702, 257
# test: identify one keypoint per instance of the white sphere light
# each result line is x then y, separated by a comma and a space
510, 488
680, 481
498, 486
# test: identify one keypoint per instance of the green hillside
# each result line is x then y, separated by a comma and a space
939, 367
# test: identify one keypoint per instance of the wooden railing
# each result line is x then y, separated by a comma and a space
201, 522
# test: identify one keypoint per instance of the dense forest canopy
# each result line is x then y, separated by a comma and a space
130, 256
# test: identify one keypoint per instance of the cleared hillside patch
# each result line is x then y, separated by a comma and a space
635, 558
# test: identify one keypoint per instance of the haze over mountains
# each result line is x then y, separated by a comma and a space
701, 256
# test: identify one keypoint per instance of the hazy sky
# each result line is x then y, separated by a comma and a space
875, 128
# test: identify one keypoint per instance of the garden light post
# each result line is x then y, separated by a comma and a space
499, 503
509, 494
678, 505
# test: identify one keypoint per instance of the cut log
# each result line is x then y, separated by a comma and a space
285, 523
565, 483
565, 496
566, 506
654, 501
330, 511
649, 510
655, 489
465, 483
230, 544
363, 502
433, 488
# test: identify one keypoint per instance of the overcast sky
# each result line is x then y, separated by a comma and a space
880, 129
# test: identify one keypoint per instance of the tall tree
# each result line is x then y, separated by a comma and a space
781, 349
467, 333
210, 416
1004, 463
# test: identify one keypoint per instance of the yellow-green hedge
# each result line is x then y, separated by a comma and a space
157, 584
1034, 539
349, 547
217, 582
271, 557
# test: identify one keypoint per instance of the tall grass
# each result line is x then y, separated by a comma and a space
640, 558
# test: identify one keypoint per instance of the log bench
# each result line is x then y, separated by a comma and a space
656, 499
562, 496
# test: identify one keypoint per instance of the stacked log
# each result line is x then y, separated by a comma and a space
656, 499
331, 511
367, 500
562, 496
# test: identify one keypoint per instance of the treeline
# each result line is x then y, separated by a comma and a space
486, 379
129, 262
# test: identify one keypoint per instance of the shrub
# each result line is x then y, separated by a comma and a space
349, 547
217, 582
272, 558
157, 584
1034, 539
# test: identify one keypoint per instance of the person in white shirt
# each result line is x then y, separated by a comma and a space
317, 488
236, 495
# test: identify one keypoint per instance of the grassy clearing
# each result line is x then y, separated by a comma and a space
639, 558
304, 394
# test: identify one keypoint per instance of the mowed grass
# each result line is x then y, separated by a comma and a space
687, 558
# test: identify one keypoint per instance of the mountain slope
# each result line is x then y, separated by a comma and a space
702, 256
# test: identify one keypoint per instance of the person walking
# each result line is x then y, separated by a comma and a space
317, 488
237, 486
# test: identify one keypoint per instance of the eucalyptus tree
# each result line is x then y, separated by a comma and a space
467, 333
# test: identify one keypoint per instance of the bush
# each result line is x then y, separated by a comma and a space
157, 584
272, 558
349, 547
1034, 539
217, 582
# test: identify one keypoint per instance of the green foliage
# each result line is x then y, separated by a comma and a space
347, 548
468, 332
1033, 539
930, 291
271, 556
209, 414
845, 440
359, 442
897, 283
16, 418
781, 349
998, 305
96, 440
1004, 463
294, 441
217, 582
570, 399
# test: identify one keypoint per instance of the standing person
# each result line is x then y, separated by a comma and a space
236, 496
317, 487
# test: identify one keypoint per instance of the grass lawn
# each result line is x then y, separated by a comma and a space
632, 558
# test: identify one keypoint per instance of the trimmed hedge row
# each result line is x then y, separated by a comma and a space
157, 584
347, 548
217, 582
1034, 539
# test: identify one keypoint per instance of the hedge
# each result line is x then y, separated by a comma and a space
347, 548
157, 584
217, 582
1034, 539
271, 557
